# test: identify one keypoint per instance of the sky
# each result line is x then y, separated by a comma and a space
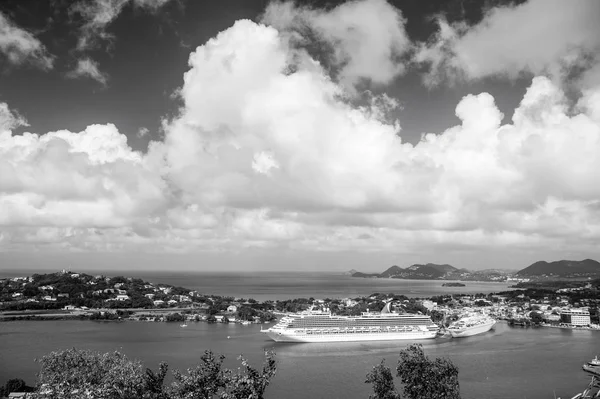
246, 135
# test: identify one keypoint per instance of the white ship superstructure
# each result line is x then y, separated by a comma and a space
471, 325
319, 326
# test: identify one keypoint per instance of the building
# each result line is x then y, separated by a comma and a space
122, 298
575, 317
232, 309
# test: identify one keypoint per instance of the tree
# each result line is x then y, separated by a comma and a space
383, 382
421, 377
536, 317
424, 378
78, 374
73, 373
15, 385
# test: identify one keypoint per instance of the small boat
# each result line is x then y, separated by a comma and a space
594, 362
184, 324
591, 369
593, 366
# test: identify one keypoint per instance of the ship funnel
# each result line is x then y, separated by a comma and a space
387, 308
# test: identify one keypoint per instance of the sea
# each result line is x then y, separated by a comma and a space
507, 362
288, 285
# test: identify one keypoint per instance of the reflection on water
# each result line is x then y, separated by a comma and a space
507, 362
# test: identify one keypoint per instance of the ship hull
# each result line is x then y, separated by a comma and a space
468, 332
283, 336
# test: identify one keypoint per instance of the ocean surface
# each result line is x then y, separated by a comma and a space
508, 362
286, 285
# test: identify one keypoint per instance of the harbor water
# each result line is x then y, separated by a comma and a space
507, 362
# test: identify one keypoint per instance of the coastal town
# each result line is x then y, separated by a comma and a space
70, 295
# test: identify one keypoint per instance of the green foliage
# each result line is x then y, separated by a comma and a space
383, 382
536, 317
423, 378
175, 317
15, 385
78, 374
246, 313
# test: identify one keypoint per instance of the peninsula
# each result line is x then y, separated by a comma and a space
541, 270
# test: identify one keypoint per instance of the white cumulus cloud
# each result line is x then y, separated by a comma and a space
267, 153
551, 37
365, 39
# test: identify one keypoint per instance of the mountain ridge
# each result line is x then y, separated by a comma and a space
562, 268
416, 271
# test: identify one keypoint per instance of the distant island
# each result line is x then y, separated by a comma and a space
432, 271
453, 285
541, 270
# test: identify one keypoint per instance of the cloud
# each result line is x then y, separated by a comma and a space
364, 39
266, 153
142, 132
98, 14
10, 119
64, 182
336, 172
88, 68
20, 46
537, 37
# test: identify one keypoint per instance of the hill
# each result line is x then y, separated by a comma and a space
427, 271
562, 268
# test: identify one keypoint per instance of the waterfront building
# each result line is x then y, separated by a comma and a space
575, 317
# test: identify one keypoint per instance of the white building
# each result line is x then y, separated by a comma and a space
575, 317
122, 297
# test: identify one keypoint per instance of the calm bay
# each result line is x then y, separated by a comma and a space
288, 285
504, 363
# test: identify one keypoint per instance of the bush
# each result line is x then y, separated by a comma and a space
73, 373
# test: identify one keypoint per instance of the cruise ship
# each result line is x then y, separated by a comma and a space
471, 325
322, 326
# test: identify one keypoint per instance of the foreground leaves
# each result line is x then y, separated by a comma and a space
76, 373
421, 377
